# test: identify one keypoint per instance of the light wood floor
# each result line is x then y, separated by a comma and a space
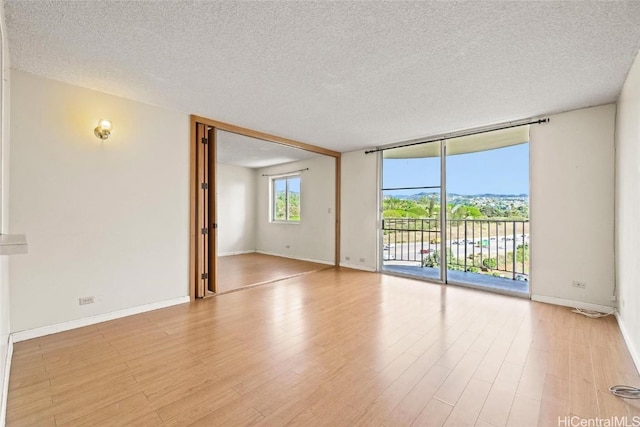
239, 271
336, 347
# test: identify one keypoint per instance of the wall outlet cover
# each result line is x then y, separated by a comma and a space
578, 284
86, 300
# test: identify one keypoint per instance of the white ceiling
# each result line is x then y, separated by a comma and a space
240, 150
342, 75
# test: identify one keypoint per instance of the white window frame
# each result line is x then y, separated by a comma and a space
272, 185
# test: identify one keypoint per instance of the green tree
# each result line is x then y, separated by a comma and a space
490, 263
294, 206
522, 253
279, 213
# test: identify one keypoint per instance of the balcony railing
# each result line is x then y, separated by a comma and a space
486, 246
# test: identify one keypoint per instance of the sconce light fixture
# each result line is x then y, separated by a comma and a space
103, 130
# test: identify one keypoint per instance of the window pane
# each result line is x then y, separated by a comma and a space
279, 200
294, 199
413, 166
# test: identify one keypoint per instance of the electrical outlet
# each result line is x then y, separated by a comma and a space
287, 246
86, 300
361, 259
578, 284
347, 258
613, 298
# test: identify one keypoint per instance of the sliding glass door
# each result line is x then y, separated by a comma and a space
488, 210
457, 210
412, 232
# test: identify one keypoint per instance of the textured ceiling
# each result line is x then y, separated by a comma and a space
240, 150
342, 75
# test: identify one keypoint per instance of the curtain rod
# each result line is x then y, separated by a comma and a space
284, 173
457, 135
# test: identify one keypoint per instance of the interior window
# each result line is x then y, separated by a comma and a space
285, 200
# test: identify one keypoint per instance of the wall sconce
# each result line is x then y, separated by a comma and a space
103, 130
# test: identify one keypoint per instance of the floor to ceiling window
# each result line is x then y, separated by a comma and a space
411, 211
478, 233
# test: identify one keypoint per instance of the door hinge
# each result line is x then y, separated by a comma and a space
204, 186
204, 276
205, 140
214, 225
205, 231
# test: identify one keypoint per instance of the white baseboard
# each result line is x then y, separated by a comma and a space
358, 267
5, 385
571, 303
92, 320
317, 261
252, 251
635, 355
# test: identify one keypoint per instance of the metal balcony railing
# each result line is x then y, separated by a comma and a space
487, 246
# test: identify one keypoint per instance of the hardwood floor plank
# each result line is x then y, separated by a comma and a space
31, 412
71, 391
287, 412
466, 411
334, 347
414, 402
455, 384
434, 414
27, 376
498, 404
196, 405
230, 417
377, 411
524, 412
122, 412
492, 361
92, 401
452, 356
412, 375
552, 410
169, 392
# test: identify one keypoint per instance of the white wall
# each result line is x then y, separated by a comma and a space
105, 219
236, 209
359, 209
572, 201
628, 209
571, 177
313, 238
4, 202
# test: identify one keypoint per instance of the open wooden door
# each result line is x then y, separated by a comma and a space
203, 211
212, 235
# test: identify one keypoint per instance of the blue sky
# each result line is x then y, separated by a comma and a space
294, 185
499, 171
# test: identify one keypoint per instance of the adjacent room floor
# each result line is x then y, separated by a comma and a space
238, 271
334, 347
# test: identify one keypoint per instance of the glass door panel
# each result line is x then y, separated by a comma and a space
487, 206
411, 211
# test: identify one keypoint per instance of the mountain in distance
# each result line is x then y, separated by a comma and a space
417, 196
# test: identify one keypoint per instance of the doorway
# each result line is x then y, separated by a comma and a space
216, 147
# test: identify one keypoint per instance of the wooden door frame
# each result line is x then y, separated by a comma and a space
195, 238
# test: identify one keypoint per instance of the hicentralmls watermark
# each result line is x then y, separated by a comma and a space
575, 421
